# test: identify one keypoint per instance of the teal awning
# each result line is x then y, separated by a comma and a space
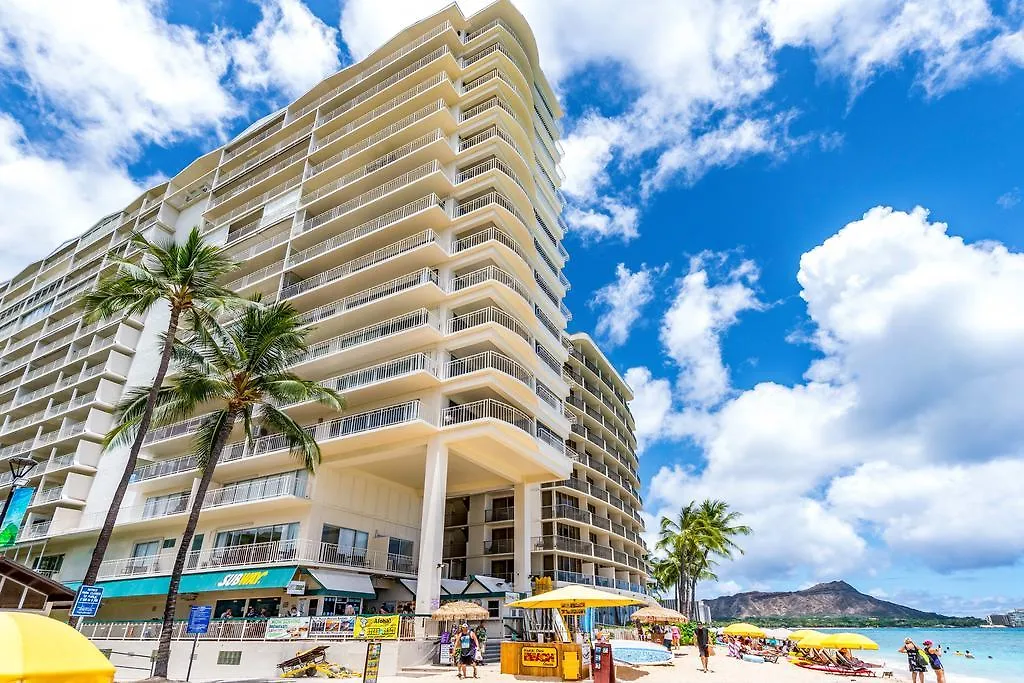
208, 582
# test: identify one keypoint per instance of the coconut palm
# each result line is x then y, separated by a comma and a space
694, 541
241, 370
185, 278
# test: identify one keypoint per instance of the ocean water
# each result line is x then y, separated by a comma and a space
1005, 646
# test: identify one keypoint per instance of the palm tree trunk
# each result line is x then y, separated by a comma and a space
133, 457
163, 653
693, 599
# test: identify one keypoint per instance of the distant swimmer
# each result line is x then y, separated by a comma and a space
968, 654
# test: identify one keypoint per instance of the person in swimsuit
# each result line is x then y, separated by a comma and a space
933, 659
701, 636
468, 645
917, 667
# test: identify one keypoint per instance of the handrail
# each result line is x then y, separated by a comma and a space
264, 155
491, 314
488, 273
371, 333
488, 360
398, 284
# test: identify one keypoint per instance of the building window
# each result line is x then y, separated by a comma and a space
48, 564
263, 534
399, 546
158, 506
344, 545
146, 549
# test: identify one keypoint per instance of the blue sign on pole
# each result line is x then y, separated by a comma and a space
199, 619
87, 602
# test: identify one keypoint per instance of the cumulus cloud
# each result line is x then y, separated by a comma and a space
290, 49
104, 79
905, 432
623, 301
1009, 199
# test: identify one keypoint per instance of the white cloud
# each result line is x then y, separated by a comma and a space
1009, 199
46, 200
906, 432
690, 82
605, 220
290, 49
623, 301
699, 314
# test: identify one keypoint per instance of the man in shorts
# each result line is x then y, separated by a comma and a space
700, 635
468, 646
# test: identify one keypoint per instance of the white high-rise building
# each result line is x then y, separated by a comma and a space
408, 206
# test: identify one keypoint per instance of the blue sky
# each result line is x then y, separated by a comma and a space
795, 225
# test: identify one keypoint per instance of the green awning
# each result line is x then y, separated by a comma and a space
208, 582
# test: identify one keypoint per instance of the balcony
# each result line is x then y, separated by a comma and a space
256, 554
488, 360
484, 409
385, 289
501, 546
503, 514
483, 316
564, 543
289, 484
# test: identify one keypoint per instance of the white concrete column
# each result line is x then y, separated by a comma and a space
435, 485
527, 511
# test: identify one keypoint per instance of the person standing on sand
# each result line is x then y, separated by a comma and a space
933, 659
701, 637
916, 659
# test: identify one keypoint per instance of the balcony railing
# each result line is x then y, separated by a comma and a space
287, 484
488, 360
255, 554
382, 372
484, 274
399, 284
499, 546
361, 263
372, 333
264, 155
382, 109
487, 408
491, 314
502, 514
492, 233
572, 545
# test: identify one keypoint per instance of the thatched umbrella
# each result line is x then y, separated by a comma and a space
460, 610
656, 614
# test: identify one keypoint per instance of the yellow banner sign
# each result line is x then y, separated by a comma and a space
376, 628
572, 608
542, 657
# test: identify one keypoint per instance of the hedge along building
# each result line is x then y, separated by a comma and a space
408, 206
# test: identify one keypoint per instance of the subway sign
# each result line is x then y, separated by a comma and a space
241, 579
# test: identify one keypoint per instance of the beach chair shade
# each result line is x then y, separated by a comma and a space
851, 641
800, 634
743, 629
38, 649
575, 595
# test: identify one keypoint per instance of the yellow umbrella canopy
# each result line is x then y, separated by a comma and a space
38, 649
815, 641
852, 641
656, 614
743, 629
800, 634
574, 597
460, 609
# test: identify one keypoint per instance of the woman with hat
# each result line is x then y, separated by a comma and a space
933, 659
916, 659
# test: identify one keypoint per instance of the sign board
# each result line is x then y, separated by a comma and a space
512, 597
377, 628
572, 609
372, 664
287, 628
199, 618
87, 602
295, 588
10, 525
539, 657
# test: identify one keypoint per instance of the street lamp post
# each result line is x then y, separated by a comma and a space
20, 467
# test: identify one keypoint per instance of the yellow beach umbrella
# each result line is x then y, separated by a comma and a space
38, 649
797, 636
852, 641
743, 629
815, 641
575, 597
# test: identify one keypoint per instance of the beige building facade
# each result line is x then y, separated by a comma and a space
408, 206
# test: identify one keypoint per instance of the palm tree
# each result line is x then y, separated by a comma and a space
693, 542
183, 276
242, 369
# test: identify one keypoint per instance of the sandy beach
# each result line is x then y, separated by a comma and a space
686, 669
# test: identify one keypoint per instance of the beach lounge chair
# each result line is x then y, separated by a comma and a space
734, 650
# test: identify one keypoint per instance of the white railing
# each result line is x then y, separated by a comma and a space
551, 439
382, 372
35, 530
491, 233
253, 141
483, 200
382, 109
549, 397
60, 462
258, 200
383, 85
264, 155
372, 195
488, 273
68, 430
165, 468
20, 447
488, 360
487, 105
286, 484
548, 358
486, 134
47, 495
491, 314
257, 275
361, 263
177, 429
263, 246
374, 68
375, 165
399, 284
491, 164
487, 408
378, 136
371, 226
372, 333
257, 178
494, 23
489, 76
